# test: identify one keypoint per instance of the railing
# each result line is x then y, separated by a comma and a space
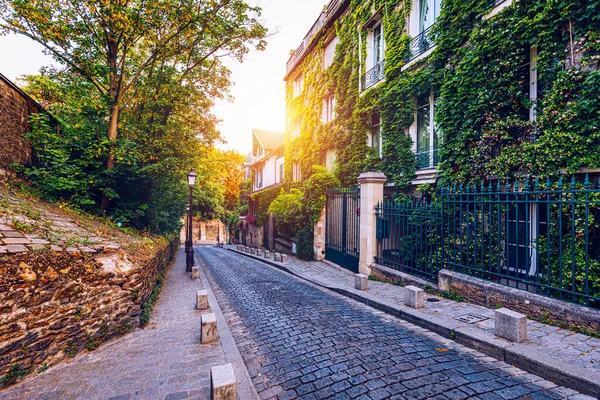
494, 3
427, 159
538, 236
420, 44
409, 236
372, 76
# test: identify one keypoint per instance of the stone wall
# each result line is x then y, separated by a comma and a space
15, 110
55, 304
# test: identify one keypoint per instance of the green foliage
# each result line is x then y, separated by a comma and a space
263, 200
315, 192
305, 243
148, 305
287, 211
14, 373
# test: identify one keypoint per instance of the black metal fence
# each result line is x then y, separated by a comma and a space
372, 76
540, 237
342, 227
420, 44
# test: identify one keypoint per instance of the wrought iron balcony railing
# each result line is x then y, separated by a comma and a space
420, 44
372, 76
427, 159
494, 3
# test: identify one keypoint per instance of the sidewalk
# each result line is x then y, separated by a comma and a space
165, 360
562, 356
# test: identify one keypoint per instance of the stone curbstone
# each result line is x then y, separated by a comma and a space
414, 297
223, 383
201, 300
510, 325
284, 258
276, 257
361, 282
209, 333
267, 254
195, 274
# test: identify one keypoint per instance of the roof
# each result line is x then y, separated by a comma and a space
269, 139
20, 91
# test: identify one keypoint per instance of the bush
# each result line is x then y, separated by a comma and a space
287, 210
305, 250
315, 192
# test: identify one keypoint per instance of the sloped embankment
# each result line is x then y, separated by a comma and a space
68, 282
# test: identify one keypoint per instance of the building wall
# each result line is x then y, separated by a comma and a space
271, 173
15, 110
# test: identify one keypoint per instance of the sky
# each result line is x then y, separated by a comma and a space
258, 91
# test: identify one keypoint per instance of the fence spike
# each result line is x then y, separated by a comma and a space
586, 184
516, 187
460, 188
490, 187
498, 186
573, 183
536, 185
560, 183
526, 186
548, 183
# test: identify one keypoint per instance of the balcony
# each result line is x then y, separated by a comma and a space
420, 44
373, 76
427, 159
495, 3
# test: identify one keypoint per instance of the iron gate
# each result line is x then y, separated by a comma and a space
342, 233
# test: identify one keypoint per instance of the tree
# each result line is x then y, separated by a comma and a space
114, 44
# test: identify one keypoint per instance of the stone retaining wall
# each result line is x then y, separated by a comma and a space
55, 304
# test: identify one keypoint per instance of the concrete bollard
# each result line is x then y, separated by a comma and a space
361, 282
267, 254
209, 333
252, 250
201, 300
284, 258
223, 383
510, 325
259, 253
414, 297
276, 256
195, 273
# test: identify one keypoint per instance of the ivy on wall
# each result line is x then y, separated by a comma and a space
476, 72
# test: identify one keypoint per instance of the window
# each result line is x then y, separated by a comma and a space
259, 178
329, 52
529, 76
427, 136
376, 140
297, 128
330, 158
377, 45
280, 173
296, 173
328, 109
429, 10
298, 86
375, 61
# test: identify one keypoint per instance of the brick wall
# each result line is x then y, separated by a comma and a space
15, 109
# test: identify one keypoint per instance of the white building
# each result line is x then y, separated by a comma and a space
267, 159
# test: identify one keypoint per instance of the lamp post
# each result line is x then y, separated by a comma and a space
187, 226
189, 261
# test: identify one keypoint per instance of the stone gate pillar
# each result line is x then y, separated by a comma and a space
319, 237
371, 194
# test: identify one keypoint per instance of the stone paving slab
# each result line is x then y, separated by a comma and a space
301, 341
162, 361
563, 346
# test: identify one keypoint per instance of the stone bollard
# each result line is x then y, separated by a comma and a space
239, 247
195, 273
209, 333
361, 282
201, 300
284, 258
276, 256
259, 253
222, 382
252, 250
510, 325
267, 254
414, 297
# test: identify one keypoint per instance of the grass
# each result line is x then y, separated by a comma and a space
14, 373
386, 280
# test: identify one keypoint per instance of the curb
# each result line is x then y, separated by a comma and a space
246, 389
522, 356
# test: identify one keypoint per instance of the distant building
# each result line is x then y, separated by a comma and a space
266, 159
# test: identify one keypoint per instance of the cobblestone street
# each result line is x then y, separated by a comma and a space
163, 361
301, 341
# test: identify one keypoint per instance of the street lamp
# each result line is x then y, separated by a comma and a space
187, 226
189, 261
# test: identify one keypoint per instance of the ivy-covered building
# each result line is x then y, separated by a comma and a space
458, 90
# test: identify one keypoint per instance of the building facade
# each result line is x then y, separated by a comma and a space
424, 90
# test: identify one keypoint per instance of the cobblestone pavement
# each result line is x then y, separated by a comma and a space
562, 344
163, 361
301, 341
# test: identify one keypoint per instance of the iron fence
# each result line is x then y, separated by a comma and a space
427, 159
372, 76
542, 237
420, 44
342, 227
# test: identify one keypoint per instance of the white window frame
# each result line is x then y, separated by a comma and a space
328, 109
297, 128
298, 86
296, 172
329, 52
414, 131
